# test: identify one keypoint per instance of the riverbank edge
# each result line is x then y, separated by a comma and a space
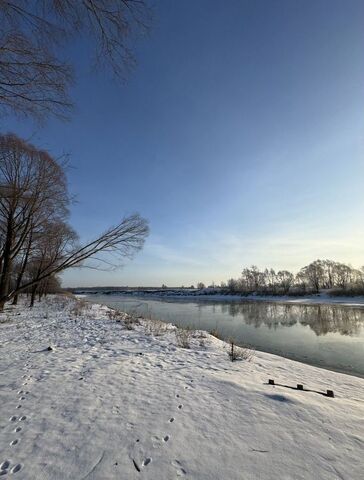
319, 299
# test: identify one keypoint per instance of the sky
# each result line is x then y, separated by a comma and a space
239, 136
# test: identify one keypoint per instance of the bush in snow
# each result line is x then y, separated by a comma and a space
183, 337
239, 353
155, 327
80, 307
130, 321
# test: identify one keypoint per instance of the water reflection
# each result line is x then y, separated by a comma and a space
321, 319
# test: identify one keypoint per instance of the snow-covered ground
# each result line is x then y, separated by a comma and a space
108, 402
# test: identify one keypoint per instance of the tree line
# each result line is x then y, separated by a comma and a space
36, 240
338, 278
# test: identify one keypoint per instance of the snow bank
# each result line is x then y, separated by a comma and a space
115, 399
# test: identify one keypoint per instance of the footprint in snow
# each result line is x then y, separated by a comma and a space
4, 465
180, 470
16, 468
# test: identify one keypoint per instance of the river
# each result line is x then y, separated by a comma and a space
328, 336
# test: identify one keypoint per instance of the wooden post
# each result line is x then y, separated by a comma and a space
299, 386
271, 381
330, 393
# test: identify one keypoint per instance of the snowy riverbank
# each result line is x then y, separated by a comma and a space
321, 298
115, 399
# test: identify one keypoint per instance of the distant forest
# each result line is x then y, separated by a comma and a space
335, 277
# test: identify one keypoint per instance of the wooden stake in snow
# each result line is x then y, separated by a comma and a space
329, 393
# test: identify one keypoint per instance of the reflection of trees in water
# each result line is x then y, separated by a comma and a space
321, 319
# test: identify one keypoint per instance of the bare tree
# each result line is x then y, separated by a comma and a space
36, 241
34, 81
32, 190
121, 241
314, 273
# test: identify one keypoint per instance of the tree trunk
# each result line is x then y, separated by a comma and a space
7, 265
22, 270
32, 298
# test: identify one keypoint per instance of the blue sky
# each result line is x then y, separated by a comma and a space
239, 136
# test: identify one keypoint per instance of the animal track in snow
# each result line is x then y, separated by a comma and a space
18, 429
21, 419
146, 461
18, 406
12, 419
180, 406
166, 438
14, 442
171, 420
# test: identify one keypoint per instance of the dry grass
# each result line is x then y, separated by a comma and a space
155, 327
239, 353
80, 307
184, 337
115, 314
215, 333
130, 321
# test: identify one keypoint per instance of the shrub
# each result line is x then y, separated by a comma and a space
130, 322
80, 307
115, 314
351, 291
183, 337
155, 327
239, 353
